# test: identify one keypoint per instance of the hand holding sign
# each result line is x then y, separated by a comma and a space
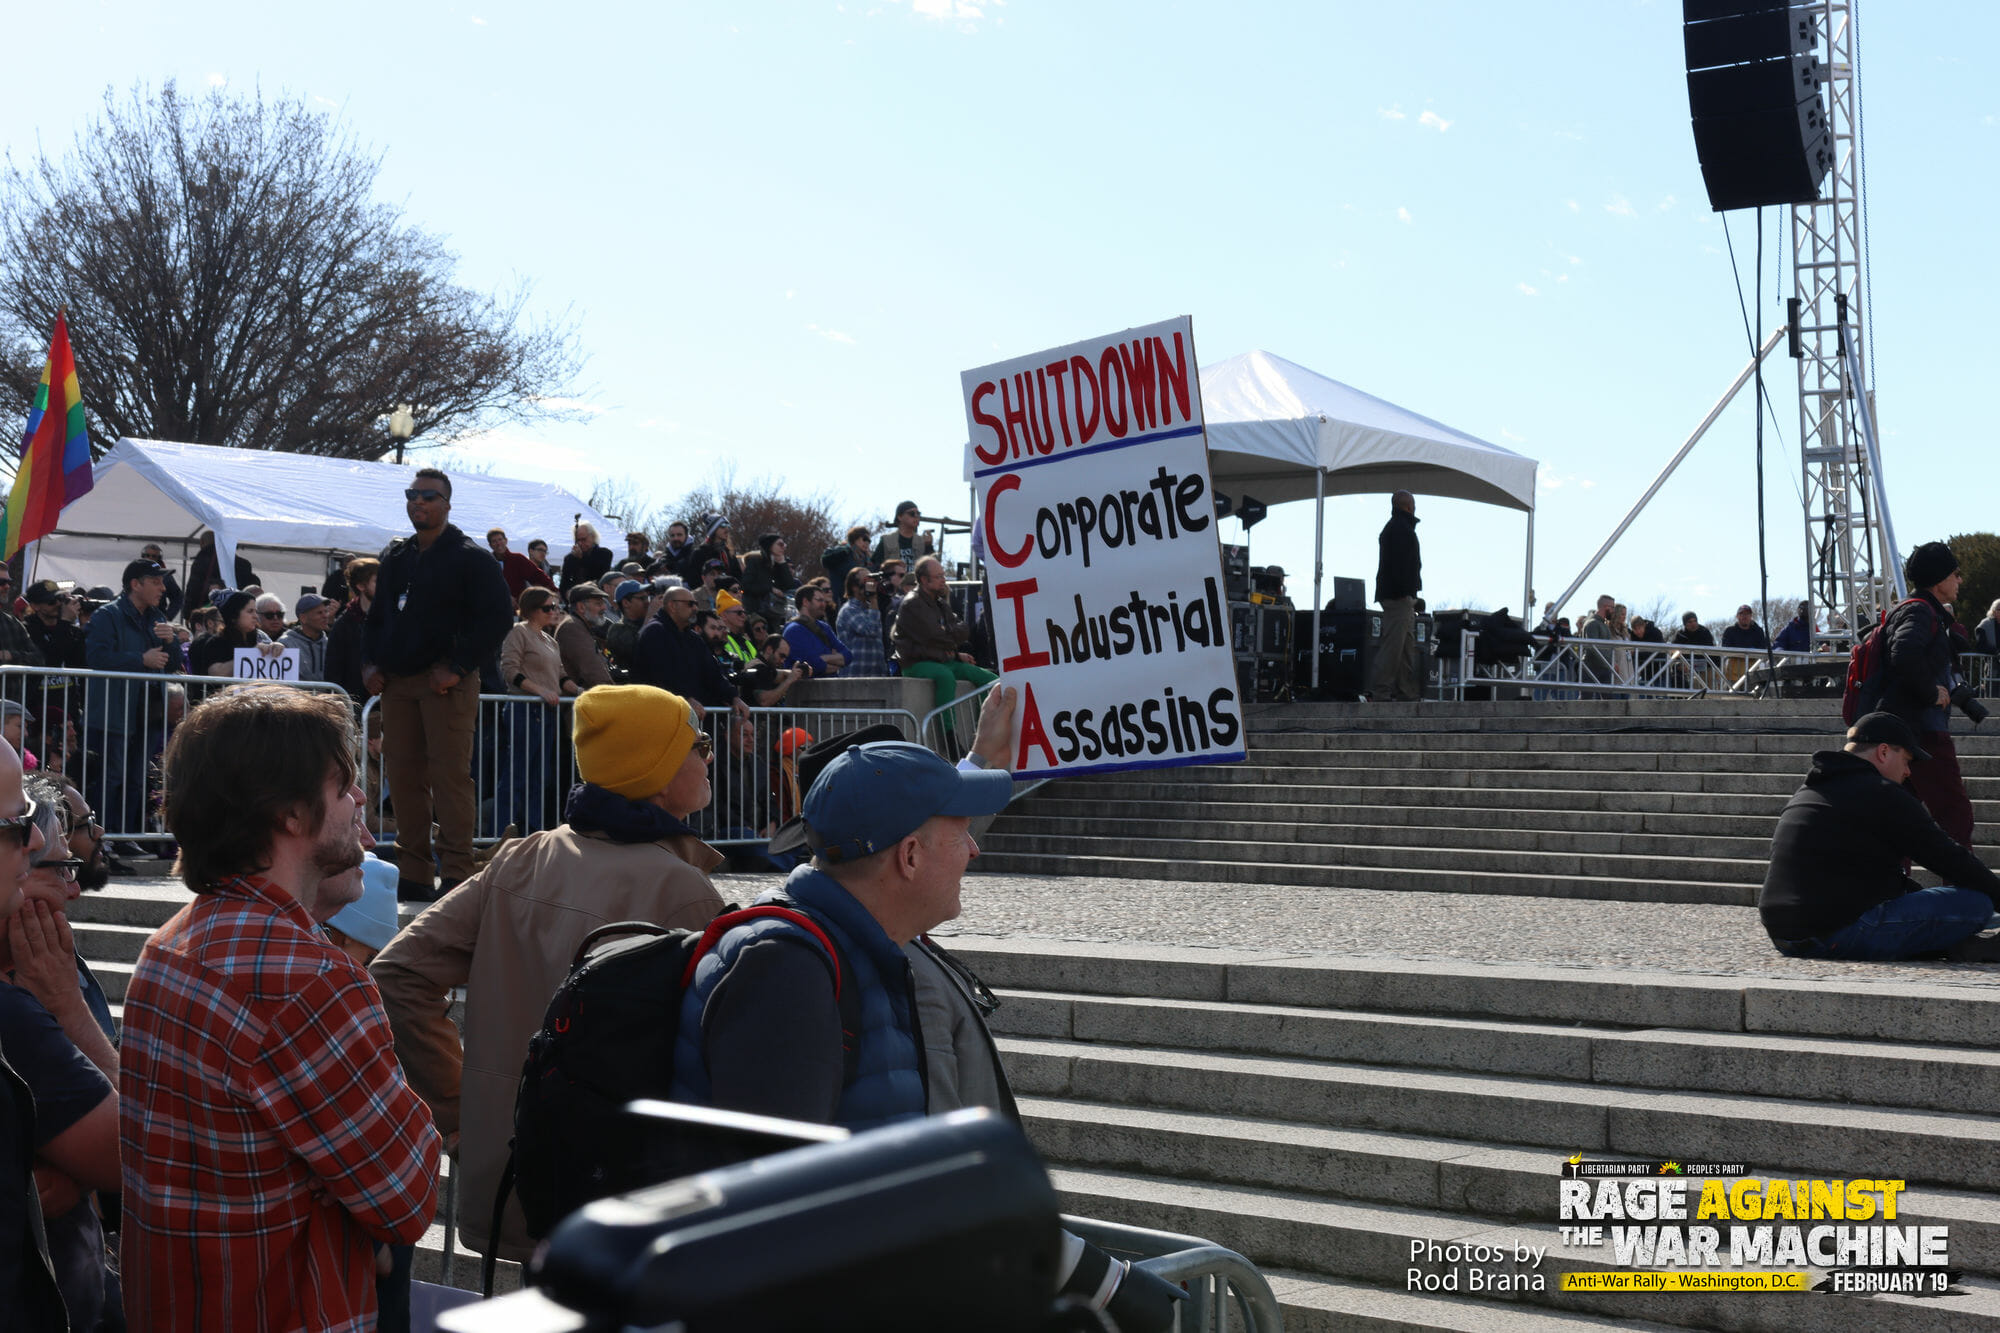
1091, 468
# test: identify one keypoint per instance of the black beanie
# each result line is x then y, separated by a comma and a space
1929, 565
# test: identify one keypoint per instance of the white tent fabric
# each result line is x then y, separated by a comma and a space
1273, 425
288, 513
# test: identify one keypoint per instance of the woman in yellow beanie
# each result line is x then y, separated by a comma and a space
508, 933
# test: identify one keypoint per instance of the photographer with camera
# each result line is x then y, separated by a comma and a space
1921, 684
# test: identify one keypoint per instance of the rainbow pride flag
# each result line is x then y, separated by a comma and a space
55, 453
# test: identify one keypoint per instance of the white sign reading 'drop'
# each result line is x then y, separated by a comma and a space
1091, 472
252, 664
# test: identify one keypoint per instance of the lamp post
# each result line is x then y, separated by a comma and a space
402, 425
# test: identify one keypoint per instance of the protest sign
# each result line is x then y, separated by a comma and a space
253, 664
1090, 470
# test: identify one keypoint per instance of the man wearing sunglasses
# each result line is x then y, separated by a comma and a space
440, 610
29, 1296
56, 1025
509, 933
16, 647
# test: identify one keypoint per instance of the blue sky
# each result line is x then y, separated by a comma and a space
785, 229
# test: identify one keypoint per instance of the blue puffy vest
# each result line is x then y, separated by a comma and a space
888, 1081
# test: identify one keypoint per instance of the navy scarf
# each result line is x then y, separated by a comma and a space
595, 810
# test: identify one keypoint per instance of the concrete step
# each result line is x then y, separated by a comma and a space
1797, 745
1910, 1075
1215, 843
1933, 1147
1347, 828
1960, 1016
1221, 872
109, 942
1459, 1176
1363, 793
1775, 785
1375, 1245
1042, 806
148, 904
1314, 1304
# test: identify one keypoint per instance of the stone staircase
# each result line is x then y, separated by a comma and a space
1647, 801
1320, 1115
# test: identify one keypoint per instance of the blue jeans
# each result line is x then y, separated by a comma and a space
1927, 921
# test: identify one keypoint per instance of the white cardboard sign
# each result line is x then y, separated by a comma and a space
1090, 468
251, 664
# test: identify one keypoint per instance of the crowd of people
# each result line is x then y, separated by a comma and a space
260, 1144
437, 620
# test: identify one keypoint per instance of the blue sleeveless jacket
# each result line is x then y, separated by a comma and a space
888, 1082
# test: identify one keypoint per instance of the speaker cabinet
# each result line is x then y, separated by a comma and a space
1760, 126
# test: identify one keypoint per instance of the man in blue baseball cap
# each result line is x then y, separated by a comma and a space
810, 1018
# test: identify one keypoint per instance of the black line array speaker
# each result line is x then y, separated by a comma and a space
1760, 125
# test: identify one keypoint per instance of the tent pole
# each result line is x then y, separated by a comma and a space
1319, 565
1687, 446
1528, 617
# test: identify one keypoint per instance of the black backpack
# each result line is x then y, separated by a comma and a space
608, 1039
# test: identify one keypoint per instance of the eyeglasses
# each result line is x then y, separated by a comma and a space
426, 494
21, 828
704, 744
67, 867
271, 615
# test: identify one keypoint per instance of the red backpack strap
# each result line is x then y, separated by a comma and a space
728, 921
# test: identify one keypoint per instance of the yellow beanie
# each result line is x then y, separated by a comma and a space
631, 739
726, 600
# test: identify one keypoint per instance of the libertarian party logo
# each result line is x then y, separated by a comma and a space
1712, 1226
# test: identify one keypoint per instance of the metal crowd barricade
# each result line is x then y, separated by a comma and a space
1572, 668
755, 776
524, 764
1218, 1280
104, 731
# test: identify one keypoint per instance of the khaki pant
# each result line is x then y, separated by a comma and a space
427, 759
1395, 675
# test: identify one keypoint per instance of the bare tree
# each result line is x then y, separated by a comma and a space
753, 508
623, 499
230, 279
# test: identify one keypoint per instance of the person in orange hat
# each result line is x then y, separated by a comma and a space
735, 620
785, 778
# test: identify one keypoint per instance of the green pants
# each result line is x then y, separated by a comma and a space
944, 676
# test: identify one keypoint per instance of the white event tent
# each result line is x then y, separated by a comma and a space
1278, 432
292, 515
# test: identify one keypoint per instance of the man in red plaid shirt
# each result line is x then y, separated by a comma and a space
269, 1139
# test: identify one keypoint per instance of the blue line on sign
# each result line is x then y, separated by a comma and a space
1088, 449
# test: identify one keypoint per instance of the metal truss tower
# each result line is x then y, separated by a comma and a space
1851, 566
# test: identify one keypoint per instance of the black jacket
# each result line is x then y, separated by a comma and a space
1919, 660
1401, 570
343, 650
680, 662
448, 604
61, 643
587, 567
1840, 847
1698, 636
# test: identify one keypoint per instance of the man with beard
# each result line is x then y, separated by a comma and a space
580, 637
269, 1138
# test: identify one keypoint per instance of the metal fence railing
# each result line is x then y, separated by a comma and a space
1219, 1282
1574, 668
524, 764
105, 731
